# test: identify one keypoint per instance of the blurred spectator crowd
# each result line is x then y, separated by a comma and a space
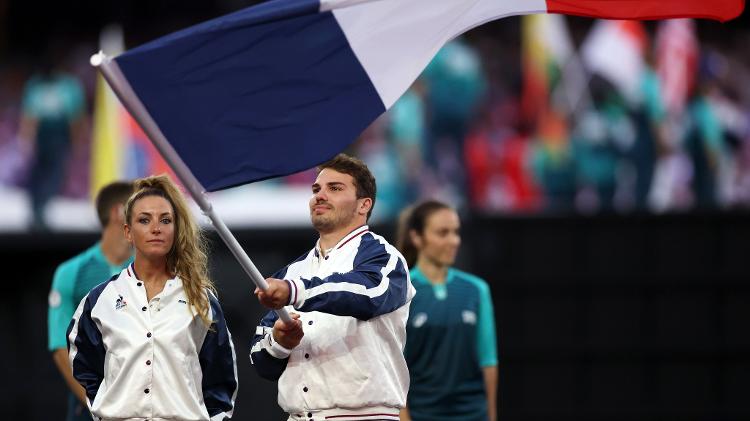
624, 117
629, 118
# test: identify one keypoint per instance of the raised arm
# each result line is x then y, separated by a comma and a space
377, 284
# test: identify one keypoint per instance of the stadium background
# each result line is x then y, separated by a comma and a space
601, 314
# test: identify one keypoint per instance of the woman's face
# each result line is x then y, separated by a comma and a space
440, 240
151, 228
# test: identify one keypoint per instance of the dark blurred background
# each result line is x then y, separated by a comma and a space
607, 206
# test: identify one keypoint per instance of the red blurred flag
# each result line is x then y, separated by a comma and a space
721, 10
676, 61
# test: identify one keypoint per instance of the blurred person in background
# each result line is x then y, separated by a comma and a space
351, 293
497, 161
553, 161
406, 133
394, 147
152, 341
407, 130
451, 348
52, 108
75, 277
714, 133
602, 135
454, 85
379, 153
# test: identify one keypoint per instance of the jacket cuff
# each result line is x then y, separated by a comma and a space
274, 348
296, 293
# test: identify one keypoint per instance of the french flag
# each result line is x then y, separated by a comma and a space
285, 85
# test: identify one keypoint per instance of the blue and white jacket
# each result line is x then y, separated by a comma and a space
154, 360
354, 304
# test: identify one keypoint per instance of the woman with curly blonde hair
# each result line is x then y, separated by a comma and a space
152, 342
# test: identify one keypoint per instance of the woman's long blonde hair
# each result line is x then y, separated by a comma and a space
188, 257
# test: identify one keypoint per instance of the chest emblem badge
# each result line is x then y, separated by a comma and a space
469, 317
120, 303
419, 320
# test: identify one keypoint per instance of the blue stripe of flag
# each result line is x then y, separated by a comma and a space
264, 92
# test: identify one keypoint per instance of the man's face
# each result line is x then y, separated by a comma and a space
334, 202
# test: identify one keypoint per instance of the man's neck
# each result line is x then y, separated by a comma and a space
330, 239
114, 246
434, 272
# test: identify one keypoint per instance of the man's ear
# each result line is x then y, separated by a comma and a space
365, 206
117, 213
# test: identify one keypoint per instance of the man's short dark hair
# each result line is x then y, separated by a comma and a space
112, 194
363, 178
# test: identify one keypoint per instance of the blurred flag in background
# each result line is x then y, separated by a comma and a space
120, 149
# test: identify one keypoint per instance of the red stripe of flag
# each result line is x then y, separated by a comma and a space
722, 10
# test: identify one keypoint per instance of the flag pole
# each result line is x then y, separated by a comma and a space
124, 91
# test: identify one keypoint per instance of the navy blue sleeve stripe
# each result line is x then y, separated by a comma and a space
292, 291
268, 366
361, 292
88, 363
217, 362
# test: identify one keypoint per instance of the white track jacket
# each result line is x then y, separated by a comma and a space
354, 304
151, 360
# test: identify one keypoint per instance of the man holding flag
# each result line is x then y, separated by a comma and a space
352, 293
